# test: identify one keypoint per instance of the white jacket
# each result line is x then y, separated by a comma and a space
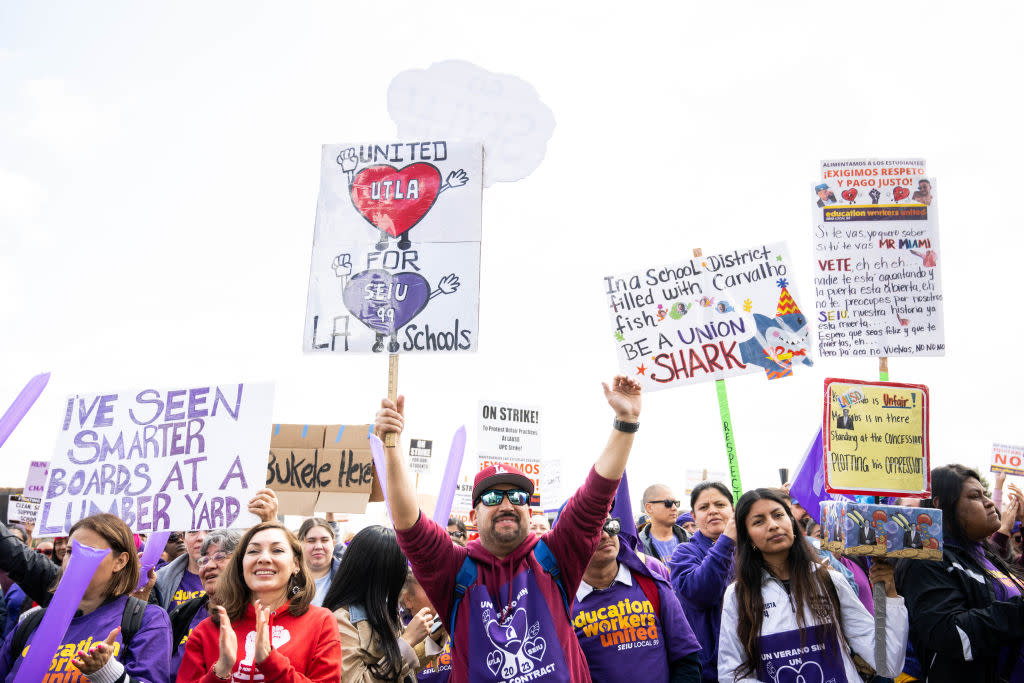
782, 650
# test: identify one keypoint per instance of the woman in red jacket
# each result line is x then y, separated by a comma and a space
264, 610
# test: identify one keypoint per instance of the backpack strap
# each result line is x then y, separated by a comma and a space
649, 588
546, 559
25, 628
465, 577
131, 621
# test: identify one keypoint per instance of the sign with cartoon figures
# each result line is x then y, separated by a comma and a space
875, 438
853, 528
708, 318
396, 249
877, 284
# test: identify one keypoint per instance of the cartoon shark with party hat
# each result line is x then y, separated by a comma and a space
778, 341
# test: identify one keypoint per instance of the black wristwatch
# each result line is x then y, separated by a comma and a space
628, 427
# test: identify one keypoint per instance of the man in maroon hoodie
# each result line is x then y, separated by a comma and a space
511, 624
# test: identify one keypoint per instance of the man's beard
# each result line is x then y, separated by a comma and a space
510, 535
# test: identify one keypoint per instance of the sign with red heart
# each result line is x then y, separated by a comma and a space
850, 194
394, 200
899, 193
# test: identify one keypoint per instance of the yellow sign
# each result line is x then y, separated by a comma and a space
876, 438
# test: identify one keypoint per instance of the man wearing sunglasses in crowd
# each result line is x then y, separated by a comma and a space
661, 535
505, 598
629, 620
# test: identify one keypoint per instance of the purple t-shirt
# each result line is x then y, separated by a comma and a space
665, 548
148, 658
179, 647
190, 587
621, 635
1005, 589
439, 668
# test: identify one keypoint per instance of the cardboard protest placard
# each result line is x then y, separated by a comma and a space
35, 483
463, 501
877, 279
160, 459
853, 528
325, 468
708, 318
1008, 459
21, 509
419, 455
510, 434
876, 438
396, 249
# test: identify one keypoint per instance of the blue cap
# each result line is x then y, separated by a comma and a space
819, 188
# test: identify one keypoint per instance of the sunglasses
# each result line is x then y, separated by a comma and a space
45, 551
668, 502
492, 497
612, 526
216, 557
456, 534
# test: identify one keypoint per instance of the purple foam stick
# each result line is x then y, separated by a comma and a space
151, 555
377, 448
82, 563
25, 399
623, 510
446, 495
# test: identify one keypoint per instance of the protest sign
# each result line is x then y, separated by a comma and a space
552, 495
396, 249
1008, 459
160, 459
694, 477
35, 483
876, 438
708, 318
419, 455
21, 509
877, 280
853, 528
510, 434
463, 501
322, 468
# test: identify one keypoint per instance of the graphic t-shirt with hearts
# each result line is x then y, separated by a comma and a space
786, 658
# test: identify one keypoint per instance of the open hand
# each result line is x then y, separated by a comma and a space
228, 647
98, 655
624, 398
263, 643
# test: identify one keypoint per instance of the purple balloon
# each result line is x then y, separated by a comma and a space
446, 495
151, 555
377, 449
385, 301
25, 399
82, 563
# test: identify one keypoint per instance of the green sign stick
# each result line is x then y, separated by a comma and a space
730, 443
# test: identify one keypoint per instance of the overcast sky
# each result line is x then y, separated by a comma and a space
159, 169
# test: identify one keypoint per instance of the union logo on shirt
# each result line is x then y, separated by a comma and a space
626, 621
61, 669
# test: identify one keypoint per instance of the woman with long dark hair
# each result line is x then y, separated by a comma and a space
789, 617
364, 597
967, 617
264, 627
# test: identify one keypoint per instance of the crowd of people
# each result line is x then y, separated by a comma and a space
728, 590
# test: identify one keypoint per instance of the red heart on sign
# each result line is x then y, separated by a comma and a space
899, 193
394, 200
850, 195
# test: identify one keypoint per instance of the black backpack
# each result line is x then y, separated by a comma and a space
131, 622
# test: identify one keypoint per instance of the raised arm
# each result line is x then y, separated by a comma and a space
624, 398
401, 493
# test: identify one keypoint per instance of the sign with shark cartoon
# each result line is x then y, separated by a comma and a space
877, 276
396, 249
708, 318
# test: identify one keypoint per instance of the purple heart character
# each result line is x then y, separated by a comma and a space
494, 660
386, 302
535, 648
809, 672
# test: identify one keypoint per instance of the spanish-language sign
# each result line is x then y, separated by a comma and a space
511, 434
876, 438
419, 455
21, 509
35, 483
1008, 459
877, 283
854, 528
396, 249
160, 459
462, 503
325, 468
708, 318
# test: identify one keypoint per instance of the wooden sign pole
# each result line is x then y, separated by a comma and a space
390, 439
878, 590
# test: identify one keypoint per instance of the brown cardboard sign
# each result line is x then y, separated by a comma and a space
317, 468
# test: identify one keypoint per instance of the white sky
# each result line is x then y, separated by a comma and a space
159, 172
